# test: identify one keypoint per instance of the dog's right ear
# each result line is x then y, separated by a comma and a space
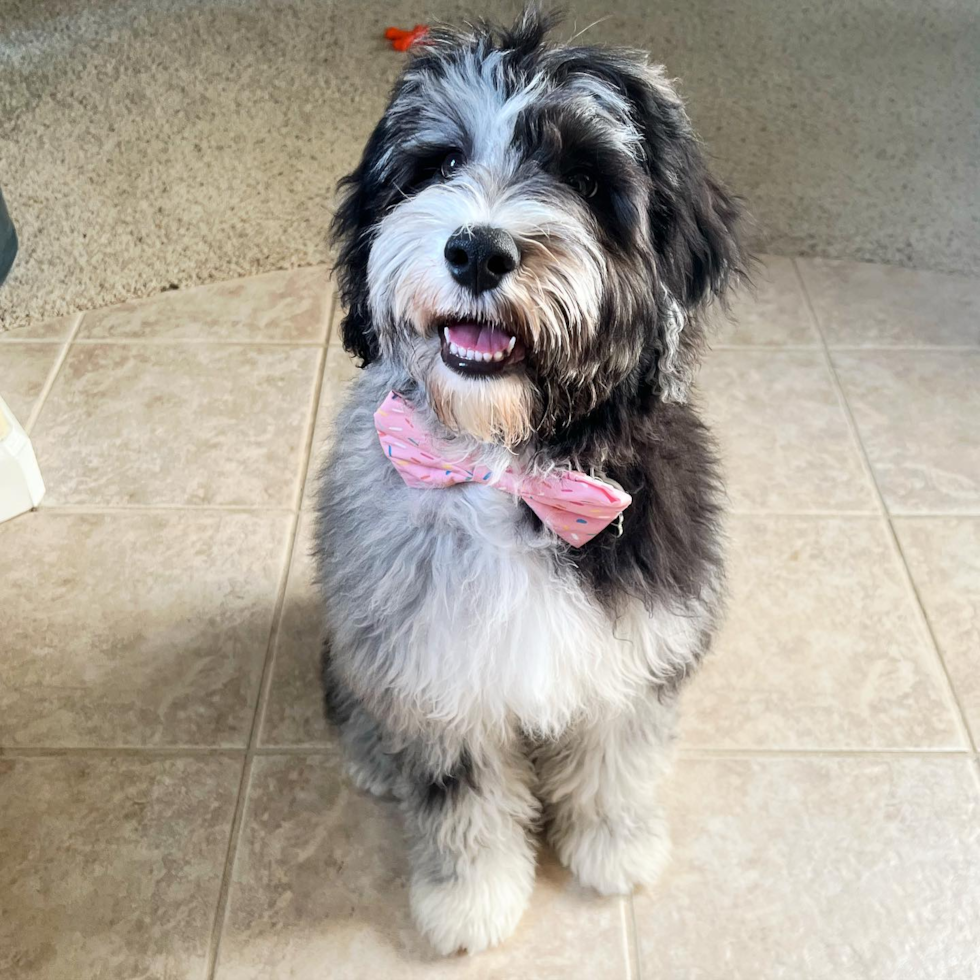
352, 231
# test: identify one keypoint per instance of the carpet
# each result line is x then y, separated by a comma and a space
160, 144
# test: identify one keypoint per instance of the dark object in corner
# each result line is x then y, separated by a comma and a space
8, 241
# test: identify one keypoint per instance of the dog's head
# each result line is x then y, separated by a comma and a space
531, 228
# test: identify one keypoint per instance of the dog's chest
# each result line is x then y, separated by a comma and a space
503, 626
452, 602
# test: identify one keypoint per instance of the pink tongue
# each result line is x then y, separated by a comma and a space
474, 336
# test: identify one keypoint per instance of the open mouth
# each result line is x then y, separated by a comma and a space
479, 349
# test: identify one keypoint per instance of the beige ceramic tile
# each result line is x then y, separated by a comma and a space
294, 714
23, 370
47, 330
772, 313
821, 648
188, 424
943, 555
110, 867
883, 306
135, 629
320, 883
287, 307
336, 338
783, 434
340, 370
823, 869
918, 415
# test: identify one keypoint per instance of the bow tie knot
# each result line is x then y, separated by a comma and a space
572, 504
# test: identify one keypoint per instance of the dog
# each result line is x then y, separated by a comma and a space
526, 253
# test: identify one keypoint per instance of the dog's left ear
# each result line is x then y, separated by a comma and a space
694, 221
694, 225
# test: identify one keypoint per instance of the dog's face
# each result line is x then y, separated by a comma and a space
531, 229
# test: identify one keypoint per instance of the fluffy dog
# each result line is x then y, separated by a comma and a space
527, 248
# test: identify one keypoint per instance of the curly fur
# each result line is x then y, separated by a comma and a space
488, 675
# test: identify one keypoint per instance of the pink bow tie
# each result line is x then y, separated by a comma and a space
575, 506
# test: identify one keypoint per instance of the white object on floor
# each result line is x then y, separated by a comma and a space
21, 486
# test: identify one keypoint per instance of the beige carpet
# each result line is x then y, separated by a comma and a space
156, 144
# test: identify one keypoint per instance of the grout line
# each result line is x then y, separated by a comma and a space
813, 348
927, 623
912, 515
148, 751
53, 373
331, 316
221, 909
311, 457
624, 938
312, 749
163, 508
880, 753
190, 342
310, 431
906, 348
816, 514
264, 687
633, 967
920, 610
50, 341
852, 348
265, 682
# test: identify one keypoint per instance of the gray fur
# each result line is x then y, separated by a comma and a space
477, 667
443, 692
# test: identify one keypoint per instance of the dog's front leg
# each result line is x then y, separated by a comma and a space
469, 820
599, 785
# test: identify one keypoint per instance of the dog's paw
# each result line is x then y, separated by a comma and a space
476, 910
613, 858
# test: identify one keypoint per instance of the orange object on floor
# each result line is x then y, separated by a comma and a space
403, 40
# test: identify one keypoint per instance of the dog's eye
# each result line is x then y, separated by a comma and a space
585, 185
453, 160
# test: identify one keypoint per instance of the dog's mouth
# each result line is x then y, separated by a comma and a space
479, 349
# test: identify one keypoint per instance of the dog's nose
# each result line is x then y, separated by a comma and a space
479, 258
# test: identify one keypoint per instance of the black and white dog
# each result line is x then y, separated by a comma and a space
527, 248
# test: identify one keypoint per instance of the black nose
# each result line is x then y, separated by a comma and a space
480, 257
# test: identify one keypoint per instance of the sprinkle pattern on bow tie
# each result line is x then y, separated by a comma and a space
572, 504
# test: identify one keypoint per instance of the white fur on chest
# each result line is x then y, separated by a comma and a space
504, 631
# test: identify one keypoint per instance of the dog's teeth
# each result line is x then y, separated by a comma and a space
481, 357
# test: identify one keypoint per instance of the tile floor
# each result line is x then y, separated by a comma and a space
171, 802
